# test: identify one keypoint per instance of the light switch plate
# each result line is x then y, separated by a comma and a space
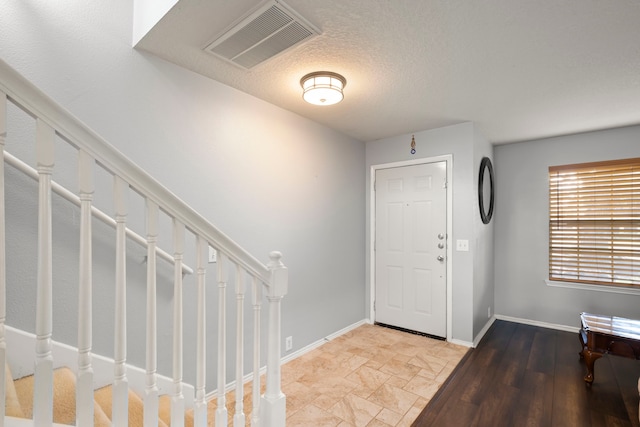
462, 245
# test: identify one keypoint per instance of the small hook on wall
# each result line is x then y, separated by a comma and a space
413, 144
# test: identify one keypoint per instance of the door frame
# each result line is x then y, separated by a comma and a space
448, 159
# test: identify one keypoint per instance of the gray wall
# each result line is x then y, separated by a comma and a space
521, 227
268, 178
460, 141
483, 273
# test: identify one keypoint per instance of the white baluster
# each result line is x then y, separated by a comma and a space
3, 276
256, 294
120, 408
151, 388
177, 399
43, 388
238, 417
221, 410
200, 410
84, 385
273, 405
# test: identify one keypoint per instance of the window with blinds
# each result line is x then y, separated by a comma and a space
594, 223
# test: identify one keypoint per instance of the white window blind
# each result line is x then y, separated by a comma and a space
594, 222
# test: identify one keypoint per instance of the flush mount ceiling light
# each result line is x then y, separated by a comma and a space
323, 88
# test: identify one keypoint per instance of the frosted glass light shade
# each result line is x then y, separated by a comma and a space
323, 88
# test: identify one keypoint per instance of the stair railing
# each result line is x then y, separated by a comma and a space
53, 121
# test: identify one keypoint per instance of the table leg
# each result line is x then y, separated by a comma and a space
582, 337
590, 358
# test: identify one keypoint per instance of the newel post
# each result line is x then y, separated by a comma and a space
273, 406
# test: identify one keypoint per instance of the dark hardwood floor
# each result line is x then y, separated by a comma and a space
522, 375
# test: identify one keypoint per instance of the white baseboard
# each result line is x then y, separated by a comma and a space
21, 357
324, 340
289, 357
484, 330
461, 342
477, 339
538, 323
486, 327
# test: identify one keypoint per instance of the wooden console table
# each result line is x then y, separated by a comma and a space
602, 335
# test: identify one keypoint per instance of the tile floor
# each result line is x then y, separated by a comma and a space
371, 376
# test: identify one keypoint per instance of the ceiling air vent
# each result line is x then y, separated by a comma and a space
270, 30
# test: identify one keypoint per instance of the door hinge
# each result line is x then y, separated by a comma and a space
445, 184
374, 185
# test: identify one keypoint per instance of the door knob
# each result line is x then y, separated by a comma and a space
440, 245
440, 258
440, 236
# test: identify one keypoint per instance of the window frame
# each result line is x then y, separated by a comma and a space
600, 200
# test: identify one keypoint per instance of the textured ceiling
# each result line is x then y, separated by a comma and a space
520, 69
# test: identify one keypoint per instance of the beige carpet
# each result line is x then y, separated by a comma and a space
64, 399
19, 401
12, 404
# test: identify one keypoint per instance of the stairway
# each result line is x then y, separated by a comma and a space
48, 127
19, 401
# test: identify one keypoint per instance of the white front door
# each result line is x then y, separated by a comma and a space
411, 247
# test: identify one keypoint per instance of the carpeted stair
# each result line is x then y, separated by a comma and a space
19, 401
64, 398
12, 403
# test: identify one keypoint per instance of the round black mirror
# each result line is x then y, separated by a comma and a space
485, 190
